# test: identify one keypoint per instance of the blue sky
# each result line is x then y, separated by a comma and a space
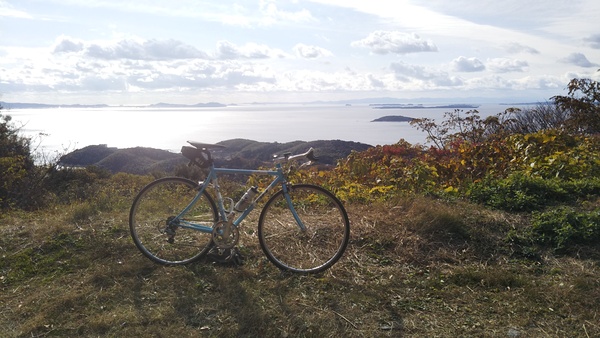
188, 51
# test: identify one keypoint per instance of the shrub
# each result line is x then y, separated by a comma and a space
586, 187
555, 153
518, 192
74, 184
565, 226
435, 219
16, 163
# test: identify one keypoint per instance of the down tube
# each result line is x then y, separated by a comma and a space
278, 179
286, 194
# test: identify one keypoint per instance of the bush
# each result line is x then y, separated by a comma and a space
565, 226
518, 192
555, 153
583, 188
16, 164
74, 184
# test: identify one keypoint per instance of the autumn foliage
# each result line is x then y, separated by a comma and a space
468, 150
402, 168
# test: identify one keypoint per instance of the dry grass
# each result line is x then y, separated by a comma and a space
415, 267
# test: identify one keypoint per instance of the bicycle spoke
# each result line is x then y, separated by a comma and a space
314, 249
153, 229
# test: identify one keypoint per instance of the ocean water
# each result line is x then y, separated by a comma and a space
169, 128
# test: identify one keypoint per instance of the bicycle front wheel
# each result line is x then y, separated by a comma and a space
157, 231
311, 249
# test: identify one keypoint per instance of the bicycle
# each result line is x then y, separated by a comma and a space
302, 228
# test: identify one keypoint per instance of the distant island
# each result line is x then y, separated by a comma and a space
420, 106
21, 105
26, 105
526, 103
197, 105
393, 118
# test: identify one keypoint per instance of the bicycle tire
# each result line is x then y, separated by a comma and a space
153, 209
317, 248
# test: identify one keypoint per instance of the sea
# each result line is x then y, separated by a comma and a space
67, 129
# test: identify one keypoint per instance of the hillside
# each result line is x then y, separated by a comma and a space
414, 268
239, 153
479, 237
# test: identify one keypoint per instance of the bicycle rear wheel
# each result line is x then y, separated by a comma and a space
155, 229
314, 249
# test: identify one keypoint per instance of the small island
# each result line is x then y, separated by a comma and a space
177, 105
421, 106
393, 118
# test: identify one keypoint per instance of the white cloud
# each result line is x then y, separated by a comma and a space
198, 74
487, 82
145, 50
510, 10
375, 82
539, 83
384, 42
229, 51
101, 83
158, 47
7, 10
310, 52
129, 49
463, 64
503, 65
406, 72
67, 45
344, 81
515, 47
593, 41
578, 59
273, 14
74, 66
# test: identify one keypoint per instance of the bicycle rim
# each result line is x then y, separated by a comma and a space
152, 228
310, 251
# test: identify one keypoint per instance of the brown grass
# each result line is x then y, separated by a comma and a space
414, 267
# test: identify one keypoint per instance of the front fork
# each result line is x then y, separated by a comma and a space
287, 191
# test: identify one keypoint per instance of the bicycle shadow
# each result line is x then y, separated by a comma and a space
231, 302
260, 300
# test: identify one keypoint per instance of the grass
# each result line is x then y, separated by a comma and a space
415, 267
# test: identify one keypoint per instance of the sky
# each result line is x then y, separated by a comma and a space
133, 52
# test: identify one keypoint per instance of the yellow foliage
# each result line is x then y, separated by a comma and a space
381, 172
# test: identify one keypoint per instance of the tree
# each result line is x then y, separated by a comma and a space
460, 126
583, 106
16, 163
542, 116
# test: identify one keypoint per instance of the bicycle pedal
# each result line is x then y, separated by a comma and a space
224, 256
236, 257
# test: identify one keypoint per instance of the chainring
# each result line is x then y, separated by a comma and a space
221, 240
